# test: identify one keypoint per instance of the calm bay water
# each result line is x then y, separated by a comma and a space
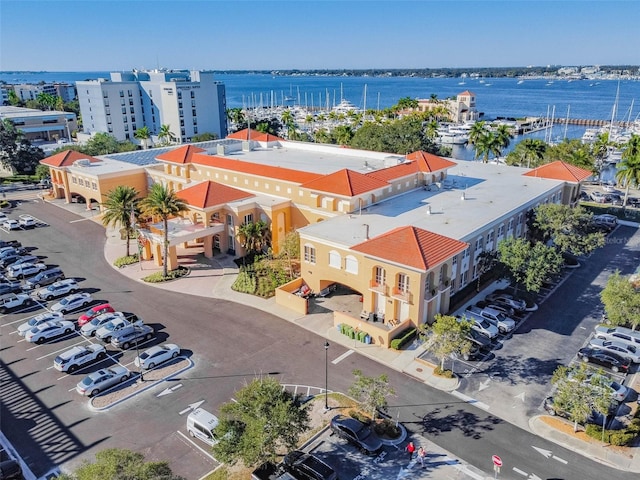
495, 97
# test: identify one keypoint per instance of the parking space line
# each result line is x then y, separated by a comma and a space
58, 351
197, 446
342, 357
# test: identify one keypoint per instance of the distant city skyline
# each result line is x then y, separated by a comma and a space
284, 35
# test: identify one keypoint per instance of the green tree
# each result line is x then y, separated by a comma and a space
42, 172
628, 171
118, 209
166, 136
290, 249
204, 137
16, 152
578, 391
568, 228
572, 151
477, 132
372, 392
120, 464
254, 236
14, 99
528, 153
101, 144
143, 134
46, 100
263, 422
162, 202
529, 265
487, 261
236, 115
621, 301
342, 134
503, 138
447, 336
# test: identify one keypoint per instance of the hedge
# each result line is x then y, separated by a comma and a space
614, 437
403, 338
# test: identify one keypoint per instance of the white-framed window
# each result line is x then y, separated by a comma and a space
309, 254
454, 262
380, 276
229, 220
335, 260
403, 282
351, 264
248, 218
479, 243
490, 236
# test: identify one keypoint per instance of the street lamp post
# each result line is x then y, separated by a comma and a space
326, 376
140, 368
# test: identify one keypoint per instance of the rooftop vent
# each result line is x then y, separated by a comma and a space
83, 162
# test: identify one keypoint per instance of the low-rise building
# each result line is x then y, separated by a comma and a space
39, 125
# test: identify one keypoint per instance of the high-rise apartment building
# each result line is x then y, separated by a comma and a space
190, 103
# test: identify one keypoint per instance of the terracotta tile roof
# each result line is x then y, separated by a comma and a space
467, 92
180, 155
209, 194
397, 171
255, 135
345, 182
559, 170
286, 174
67, 158
412, 246
428, 162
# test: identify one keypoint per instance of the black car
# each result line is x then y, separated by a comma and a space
356, 433
10, 243
10, 287
306, 466
606, 359
10, 470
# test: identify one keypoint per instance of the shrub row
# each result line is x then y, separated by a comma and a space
403, 338
613, 437
157, 277
124, 261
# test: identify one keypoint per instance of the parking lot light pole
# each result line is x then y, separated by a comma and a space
326, 376
138, 355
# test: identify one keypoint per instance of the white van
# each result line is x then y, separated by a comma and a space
200, 424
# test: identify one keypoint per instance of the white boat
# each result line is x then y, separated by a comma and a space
345, 106
590, 135
447, 137
520, 82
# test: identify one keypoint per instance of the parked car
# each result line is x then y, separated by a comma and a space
10, 469
27, 221
12, 261
132, 335
94, 312
496, 318
14, 300
46, 277
79, 356
9, 243
8, 260
605, 220
480, 344
552, 409
622, 349
307, 466
109, 329
619, 334
605, 359
481, 325
72, 302
11, 224
156, 355
96, 323
48, 330
508, 300
357, 433
10, 287
38, 320
25, 270
99, 381
57, 289
8, 251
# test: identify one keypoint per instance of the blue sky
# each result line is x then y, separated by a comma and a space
93, 35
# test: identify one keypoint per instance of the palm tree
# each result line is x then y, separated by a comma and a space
628, 173
119, 207
600, 148
162, 202
503, 138
431, 130
166, 134
534, 149
254, 236
144, 135
46, 100
477, 132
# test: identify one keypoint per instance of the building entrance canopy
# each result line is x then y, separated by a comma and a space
180, 231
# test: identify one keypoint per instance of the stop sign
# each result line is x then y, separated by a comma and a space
497, 461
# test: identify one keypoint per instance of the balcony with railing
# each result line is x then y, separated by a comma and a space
400, 294
380, 287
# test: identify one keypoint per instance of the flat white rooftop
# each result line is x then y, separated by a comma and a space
491, 193
105, 167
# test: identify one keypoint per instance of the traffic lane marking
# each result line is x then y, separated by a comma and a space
197, 446
342, 357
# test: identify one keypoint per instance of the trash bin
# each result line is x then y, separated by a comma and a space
367, 339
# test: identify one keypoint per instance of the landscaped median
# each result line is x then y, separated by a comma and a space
134, 386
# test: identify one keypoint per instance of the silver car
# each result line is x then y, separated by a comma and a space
90, 328
99, 381
156, 355
623, 349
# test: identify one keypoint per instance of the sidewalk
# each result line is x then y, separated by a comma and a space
214, 277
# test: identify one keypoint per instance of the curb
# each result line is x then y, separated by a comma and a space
138, 391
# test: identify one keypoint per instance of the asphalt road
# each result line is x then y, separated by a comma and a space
230, 344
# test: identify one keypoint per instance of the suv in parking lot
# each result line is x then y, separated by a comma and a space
307, 466
481, 325
57, 289
619, 334
496, 318
14, 300
46, 277
131, 335
79, 356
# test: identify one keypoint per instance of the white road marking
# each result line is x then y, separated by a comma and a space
167, 391
469, 400
542, 451
196, 445
342, 357
192, 406
484, 384
561, 460
517, 470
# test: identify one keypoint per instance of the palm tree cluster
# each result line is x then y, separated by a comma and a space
254, 236
487, 141
628, 173
123, 207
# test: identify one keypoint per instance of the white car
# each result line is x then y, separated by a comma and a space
618, 334
481, 325
109, 329
90, 328
57, 289
623, 349
72, 302
157, 355
3, 217
509, 300
11, 224
25, 270
38, 320
49, 330
79, 356
26, 221
99, 381
14, 300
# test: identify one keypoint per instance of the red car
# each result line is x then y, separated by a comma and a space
94, 312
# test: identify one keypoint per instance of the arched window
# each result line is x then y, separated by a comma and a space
351, 264
335, 260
